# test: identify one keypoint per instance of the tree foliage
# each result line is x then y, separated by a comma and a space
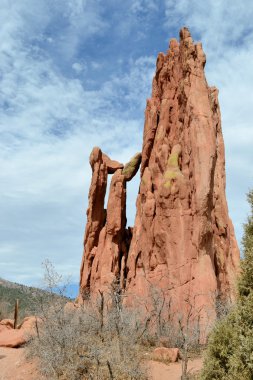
230, 350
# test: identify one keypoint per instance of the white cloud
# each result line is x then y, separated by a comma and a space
49, 124
143, 6
78, 67
49, 121
96, 65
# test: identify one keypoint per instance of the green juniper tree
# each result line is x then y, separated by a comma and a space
246, 280
242, 358
230, 350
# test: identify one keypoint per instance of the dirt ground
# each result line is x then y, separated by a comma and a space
14, 366
160, 371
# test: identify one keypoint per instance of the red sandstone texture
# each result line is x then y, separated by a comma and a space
170, 355
106, 241
13, 338
183, 241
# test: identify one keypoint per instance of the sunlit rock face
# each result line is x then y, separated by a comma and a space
106, 241
183, 241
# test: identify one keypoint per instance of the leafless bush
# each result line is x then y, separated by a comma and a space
95, 341
222, 306
104, 339
187, 330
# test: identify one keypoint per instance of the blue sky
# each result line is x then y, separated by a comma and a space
77, 73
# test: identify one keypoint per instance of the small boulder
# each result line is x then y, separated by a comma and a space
13, 338
166, 354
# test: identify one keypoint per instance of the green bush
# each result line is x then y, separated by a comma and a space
230, 349
220, 348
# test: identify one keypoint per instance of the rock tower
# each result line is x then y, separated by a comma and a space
183, 240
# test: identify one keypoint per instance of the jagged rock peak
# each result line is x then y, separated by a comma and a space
183, 240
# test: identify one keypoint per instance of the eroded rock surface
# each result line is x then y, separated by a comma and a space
106, 242
183, 240
169, 355
13, 338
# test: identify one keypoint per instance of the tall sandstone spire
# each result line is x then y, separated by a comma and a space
183, 241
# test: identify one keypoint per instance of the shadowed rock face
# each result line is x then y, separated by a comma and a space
183, 240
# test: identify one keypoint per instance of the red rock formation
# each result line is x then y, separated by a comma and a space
183, 240
106, 241
165, 354
10, 337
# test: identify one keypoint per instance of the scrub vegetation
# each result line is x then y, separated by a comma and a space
230, 351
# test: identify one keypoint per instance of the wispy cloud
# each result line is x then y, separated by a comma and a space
226, 31
49, 124
222, 24
77, 73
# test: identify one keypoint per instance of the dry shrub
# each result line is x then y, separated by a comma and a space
95, 341
104, 339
